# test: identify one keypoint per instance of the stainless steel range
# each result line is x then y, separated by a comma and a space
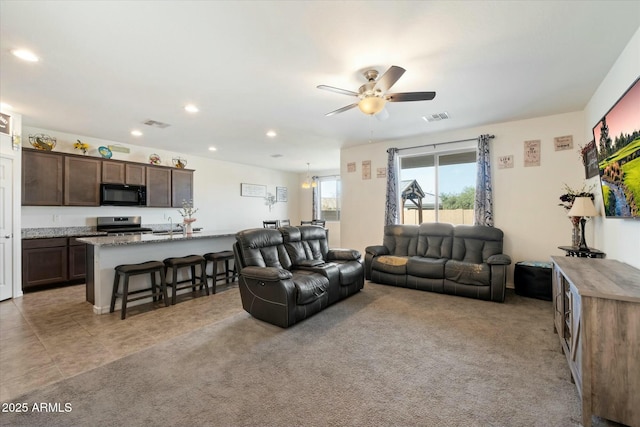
121, 225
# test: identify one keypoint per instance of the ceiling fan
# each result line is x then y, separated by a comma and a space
373, 95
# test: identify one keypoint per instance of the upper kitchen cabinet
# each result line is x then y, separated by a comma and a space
158, 187
82, 177
42, 178
181, 186
135, 174
123, 173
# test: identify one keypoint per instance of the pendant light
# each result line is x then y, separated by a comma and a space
308, 182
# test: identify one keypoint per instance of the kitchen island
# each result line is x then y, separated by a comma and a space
106, 252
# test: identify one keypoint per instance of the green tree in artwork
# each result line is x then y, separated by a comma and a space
462, 200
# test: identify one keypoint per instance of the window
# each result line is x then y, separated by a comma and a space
445, 188
329, 197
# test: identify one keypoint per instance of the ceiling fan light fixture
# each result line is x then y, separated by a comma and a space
371, 104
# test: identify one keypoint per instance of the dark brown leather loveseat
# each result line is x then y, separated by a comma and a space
464, 260
288, 274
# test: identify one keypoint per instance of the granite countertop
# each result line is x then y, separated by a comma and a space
140, 239
52, 232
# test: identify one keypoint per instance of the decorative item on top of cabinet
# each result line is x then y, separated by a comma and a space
42, 142
179, 162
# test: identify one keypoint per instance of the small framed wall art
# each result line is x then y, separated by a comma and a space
281, 194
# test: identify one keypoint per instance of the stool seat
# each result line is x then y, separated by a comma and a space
183, 261
140, 268
190, 261
127, 270
229, 274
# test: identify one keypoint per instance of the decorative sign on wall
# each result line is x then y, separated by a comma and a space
532, 153
281, 194
505, 162
5, 123
381, 172
351, 167
563, 142
253, 190
590, 160
366, 169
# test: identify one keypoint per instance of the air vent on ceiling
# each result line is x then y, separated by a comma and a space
156, 124
275, 156
436, 117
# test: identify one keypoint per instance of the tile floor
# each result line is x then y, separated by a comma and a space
50, 335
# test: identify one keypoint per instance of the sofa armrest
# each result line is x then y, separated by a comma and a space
500, 259
343, 255
266, 274
377, 250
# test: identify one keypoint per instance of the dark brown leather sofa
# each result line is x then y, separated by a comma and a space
288, 274
465, 260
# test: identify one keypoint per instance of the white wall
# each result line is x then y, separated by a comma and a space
619, 238
525, 198
216, 192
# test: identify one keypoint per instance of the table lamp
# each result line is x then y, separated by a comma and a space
583, 206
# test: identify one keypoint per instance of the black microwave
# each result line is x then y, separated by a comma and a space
123, 195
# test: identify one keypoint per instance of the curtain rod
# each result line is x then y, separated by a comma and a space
442, 143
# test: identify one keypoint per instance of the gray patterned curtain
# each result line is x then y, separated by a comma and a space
484, 193
315, 191
391, 206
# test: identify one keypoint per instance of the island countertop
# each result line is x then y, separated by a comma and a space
141, 239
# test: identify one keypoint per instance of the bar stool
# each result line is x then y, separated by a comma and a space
191, 261
229, 275
128, 270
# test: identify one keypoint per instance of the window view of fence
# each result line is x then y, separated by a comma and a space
438, 187
329, 193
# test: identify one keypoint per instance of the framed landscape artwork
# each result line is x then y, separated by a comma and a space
617, 138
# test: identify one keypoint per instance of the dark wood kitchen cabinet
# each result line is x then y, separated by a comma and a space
44, 261
123, 173
42, 178
77, 255
181, 186
158, 187
82, 177
52, 261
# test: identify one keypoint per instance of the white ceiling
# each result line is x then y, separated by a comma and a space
107, 66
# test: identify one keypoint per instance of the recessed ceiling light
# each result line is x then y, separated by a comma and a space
191, 108
212, 148
271, 134
26, 55
5, 106
136, 133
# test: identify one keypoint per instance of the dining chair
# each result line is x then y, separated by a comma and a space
270, 223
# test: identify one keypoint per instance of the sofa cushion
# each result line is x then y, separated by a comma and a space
350, 271
430, 268
391, 264
476, 243
401, 240
263, 247
468, 273
309, 286
435, 240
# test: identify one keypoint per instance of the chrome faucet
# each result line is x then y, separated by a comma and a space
170, 226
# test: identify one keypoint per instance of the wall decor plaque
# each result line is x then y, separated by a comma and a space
562, 143
366, 169
532, 153
505, 162
253, 190
351, 167
281, 194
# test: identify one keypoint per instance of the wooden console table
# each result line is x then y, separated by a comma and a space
597, 317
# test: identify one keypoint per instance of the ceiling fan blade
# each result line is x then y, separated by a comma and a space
340, 110
389, 78
338, 90
410, 96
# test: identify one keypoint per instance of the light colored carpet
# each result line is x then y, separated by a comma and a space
384, 357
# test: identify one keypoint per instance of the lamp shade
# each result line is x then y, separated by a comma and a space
371, 104
583, 206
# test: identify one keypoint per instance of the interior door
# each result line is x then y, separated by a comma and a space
6, 228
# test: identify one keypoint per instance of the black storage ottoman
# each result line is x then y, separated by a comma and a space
533, 279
